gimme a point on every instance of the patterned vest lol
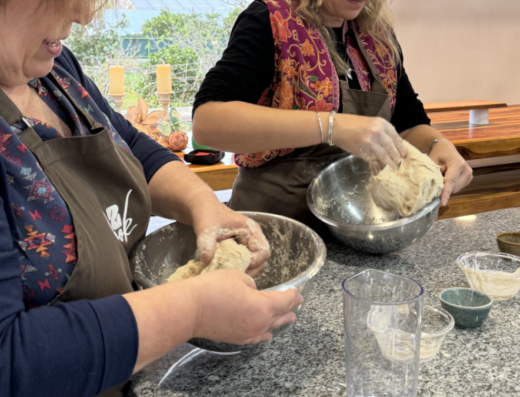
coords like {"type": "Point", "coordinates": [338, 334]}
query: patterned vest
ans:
{"type": "Point", "coordinates": [305, 76]}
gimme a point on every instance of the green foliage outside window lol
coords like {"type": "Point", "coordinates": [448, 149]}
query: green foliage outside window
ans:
{"type": "Point", "coordinates": [191, 43]}
{"type": "Point", "coordinates": [96, 42]}
{"type": "Point", "coordinates": [185, 75]}
{"type": "Point", "coordinates": [184, 25]}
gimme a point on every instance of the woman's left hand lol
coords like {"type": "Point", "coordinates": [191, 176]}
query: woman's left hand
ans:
{"type": "Point", "coordinates": [216, 222]}
{"type": "Point", "coordinates": [457, 173]}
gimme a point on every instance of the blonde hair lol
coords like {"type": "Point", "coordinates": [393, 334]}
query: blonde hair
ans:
{"type": "Point", "coordinates": [375, 20]}
{"type": "Point", "coordinates": [85, 9]}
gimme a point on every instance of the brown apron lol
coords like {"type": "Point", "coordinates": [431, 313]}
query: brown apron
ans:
{"type": "Point", "coordinates": [280, 185]}
{"type": "Point", "coordinates": [107, 195]}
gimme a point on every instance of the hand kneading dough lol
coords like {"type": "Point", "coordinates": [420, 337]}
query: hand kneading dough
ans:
{"type": "Point", "coordinates": [410, 188]}
{"type": "Point", "coordinates": [229, 255]}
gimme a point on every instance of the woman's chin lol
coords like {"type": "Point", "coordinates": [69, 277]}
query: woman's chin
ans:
{"type": "Point", "coordinates": [350, 15]}
{"type": "Point", "coordinates": [39, 70]}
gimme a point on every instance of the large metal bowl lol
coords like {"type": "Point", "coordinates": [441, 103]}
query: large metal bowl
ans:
{"type": "Point", "coordinates": [338, 197]}
{"type": "Point", "coordinates": [297, 254]}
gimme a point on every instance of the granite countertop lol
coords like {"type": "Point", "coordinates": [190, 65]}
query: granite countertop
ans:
{"type": "Point", "coordinates": [308, 359]}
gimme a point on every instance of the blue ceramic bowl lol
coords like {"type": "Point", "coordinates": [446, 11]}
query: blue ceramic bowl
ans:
{"type": "Point", "coordinates": [468, 307]}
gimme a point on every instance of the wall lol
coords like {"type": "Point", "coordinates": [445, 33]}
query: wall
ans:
{"type": "Point", "coordinates": [461, 49]}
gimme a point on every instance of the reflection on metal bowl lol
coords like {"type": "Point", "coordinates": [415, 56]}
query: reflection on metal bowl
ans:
{"type": "Point", "coordinates": [338, 197]}
{"type": "Point", "coordinates": [297, 254]}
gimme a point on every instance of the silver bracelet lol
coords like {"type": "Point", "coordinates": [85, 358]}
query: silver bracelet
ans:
{"type": "Point", "coordinates": [321, 127]}
{"type": "Point", "coordinates": [435, 141]}
{"type": "Point", "coordinates": [331, 126]}
{"type": "Point", "coordinates": [441, 140]}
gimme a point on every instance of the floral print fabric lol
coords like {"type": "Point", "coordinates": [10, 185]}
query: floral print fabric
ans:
{"type": "Point", "coordinates": [305, 75]}
{"type": "Point", "coordinates": [47, 246]}
{"type": "Point", "coordinates": [380, 57]}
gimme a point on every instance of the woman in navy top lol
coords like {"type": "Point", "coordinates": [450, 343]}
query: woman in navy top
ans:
{"type": "Point", "coordinates": [55, 340]}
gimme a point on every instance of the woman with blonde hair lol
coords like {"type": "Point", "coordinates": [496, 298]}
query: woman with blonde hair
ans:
{"type": "Point", "coordinates": [303, 83]}
{"type": "Point", "coordinates": [77, 186]}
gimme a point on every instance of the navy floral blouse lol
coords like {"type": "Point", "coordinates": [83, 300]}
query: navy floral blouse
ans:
{"type": "Point", "coordinates": [47, 252]}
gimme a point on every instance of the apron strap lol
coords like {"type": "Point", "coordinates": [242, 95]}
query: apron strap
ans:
{"type": "Point", "coordinates": [368, 60]}
{"type": "Point", "coordinates": [11, 114]}
{"type": "Point", "coordinates": [8, 110]}
{"type": "Point", "coordinates": [29, 137]}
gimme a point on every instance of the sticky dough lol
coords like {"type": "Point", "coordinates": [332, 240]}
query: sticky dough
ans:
{"type": "Point", "coordinates": [229, 255]}
{"type": "Point", "coordinates": [411, 187]}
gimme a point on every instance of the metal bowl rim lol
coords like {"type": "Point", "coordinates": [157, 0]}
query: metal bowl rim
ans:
{"type": "Point", "coordinates": [313, 269]}
{"type": "Point", "coordinates": [370, 228]}
{"type": "Point", "coordinates": [302, 278]}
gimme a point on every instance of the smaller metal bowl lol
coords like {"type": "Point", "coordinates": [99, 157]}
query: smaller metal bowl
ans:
{"type": "Point", "coordinates": [469, 307]}
{"type": "Point", "coordinates": [297, 255]}
{"type": "Point", "coordinates": [509, 242]}
{"type": "Point", "coordinates": [497, 275]}
{"type": "Point", "coordinates": [339, 198]}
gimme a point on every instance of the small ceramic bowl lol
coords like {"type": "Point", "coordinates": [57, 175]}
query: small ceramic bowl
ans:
{"type": "Point", "coordinates": [509, 242]}
{"type": "Point", "coordinates": [468, 307]}
{"type": "Point", "coordinates": [495, 274]}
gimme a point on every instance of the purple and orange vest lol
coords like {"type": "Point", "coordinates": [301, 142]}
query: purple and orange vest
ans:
{"type": "Point", "coordinates": [305, 76]}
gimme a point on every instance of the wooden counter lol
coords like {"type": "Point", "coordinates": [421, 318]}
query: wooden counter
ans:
{"type": "Point", "coordinates": [501, 137]}
{"type": "Point", "coordinates": [462, 105]}
{"type": "Point", "coordinates": [493, 151]}
{"type": "Point", "coordinates": [219, 176]}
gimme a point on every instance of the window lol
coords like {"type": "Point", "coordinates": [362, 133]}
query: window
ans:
{"type": "Point", "coordinates": [139, 34]}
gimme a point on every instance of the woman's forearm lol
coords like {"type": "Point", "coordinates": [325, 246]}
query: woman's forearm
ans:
{"type": "Point", "coordinates": [244, 128]}
{"type": "Point", "coordinates": [166, 317]}
{"type": "Point", "coordinates": [177, 193]}
{"type": "Point", "coordinates": [223, 306]}
{"type": "Point", "coordinates": [241, 127]}
{"type": "Point", "coordinates": [191, 202]}
{"type": "Point", "coordinates": [422, 137]}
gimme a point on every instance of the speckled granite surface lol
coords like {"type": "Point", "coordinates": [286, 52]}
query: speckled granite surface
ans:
{"type": "Point", "coordinates": [308, 359]}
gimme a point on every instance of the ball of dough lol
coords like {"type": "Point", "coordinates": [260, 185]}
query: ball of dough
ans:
{"type": "Point", "coordinates": [229, 255]}
{"type": "Point", "coordinates": [412, 186]}
{"type": "Point", "coordinates": [191, 269]}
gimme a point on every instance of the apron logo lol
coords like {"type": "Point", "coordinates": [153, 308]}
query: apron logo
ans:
{"type": "Point", "coordinates": [120, 226]}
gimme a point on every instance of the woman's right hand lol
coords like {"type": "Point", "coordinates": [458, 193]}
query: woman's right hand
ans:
{"type": "Point", "coordinates": [373, 139]}
{"type": "Point", "coordinates": [232, 310]}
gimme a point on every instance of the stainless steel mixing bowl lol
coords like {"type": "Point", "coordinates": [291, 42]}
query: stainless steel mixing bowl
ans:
{"type": "Point", "coordinates": [338, 197]}
{"type": "Point", "coordinates": [297, 254]}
